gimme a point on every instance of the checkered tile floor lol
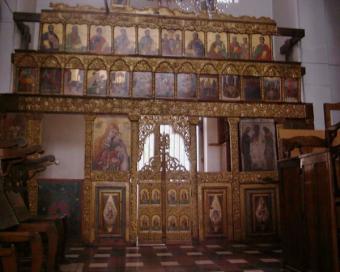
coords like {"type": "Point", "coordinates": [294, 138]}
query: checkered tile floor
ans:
{"type": "Point", "coordinates": [175, 258]}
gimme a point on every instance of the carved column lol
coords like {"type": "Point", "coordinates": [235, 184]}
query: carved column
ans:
{"type": "Point", "coordinates": [132, 224]}
{"type": "Point", "coordinates": [87, 229]}
{"type": "Point", "coordinates": [34, 132]}
{"type": "Point", "coordinates": [193, 160]}
{"type": "Point", "coordinates": [235, 170]}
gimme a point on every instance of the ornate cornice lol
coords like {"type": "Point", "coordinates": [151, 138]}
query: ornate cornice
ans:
{"type": "Point", "coordinates": [87, 105]}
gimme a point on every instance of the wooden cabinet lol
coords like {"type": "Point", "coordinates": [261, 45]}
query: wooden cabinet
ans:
{"type": "Point", "coordinates": [308, 212]}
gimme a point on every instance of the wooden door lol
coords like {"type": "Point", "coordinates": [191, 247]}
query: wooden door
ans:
{"type": "Point", "coordinates": [292, 215]}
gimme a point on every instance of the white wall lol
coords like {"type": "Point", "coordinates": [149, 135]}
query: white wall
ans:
{"type": "Point", "coordinates": [214, 153]}
{"type": "Point", "coordinates": [64, 137]}
{"type": "Point", "coordinates": [318, 51]}
{"type": "Point", "coordinates": [7, 34]}
{"type": "Point", "coordinates": [245, 7]}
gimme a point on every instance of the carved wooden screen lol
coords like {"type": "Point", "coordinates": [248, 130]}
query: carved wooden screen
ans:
{"type": "Point", "coordinates": [164, 204]}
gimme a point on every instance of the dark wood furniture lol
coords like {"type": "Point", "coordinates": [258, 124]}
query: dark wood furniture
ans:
{"type": "Point", "coordinates": [18, 225]}
{"type": "Point", "coordinates": [309, 202]}
{"type": "Point", "coordinates": [8, 259]}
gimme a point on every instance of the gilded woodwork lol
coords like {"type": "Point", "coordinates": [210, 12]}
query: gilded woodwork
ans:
{"type": "Point", "coordinates": [95, 178]}
{"type": "Point", "coordinates": [93, 208]}
{"type": "Point", "coordinates": [74, 63]}
{"type": "Point", "coordinates": [159, 18]}
{"type": "Point", "coordinates": [36, 103]}
{"type": "Point", "coordinates": [275, 206]}
{"type": "Point", "coordinates": [33, 138]}
{"type": "Point", "coordinates": [165, 174]}
{"type": "Point", "coordinates": [149, 63]}
{"type": "Point", "coordinates": [193, 172]}
{"type": "Point", "coordinates": [235, 180]}
{"type": "Point", "coordinates": [146, 115]}
{"type": "Point", "coordinates": [133, 224]}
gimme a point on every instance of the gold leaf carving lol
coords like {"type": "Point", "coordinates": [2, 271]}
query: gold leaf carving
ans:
{"type": "Point", "coordinates": [208, 69]}
{"type": "Point", "coordinates": [142, 66]}
{"type": "Point", "coordinates": [120, 65]}
{"type": "Point", "coordinates": [250, 70]}
{"type": "Point", "coordinates": [164, 67]}
{"type": "Point", "coordinates": [51, 62]}
{"type": "Point", "coordinates": [97, 64]}
{"type": "Point", "coordinates": [74, 63]}
{"type": "Point", "coordinates": [26, 61]}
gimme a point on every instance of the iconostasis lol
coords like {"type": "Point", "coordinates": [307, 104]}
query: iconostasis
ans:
{"type": "Point", "coordinates": [162, 93]}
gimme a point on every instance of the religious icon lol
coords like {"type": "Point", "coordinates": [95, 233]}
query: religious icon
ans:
{"type": "Point", "coordinates": [96, 82]}
{"type": "Point", "coordinates": [142, 84]}
{"type": "Point", "coordinates": [172, 197]}
{"type": "Point", "coordinates": [26, 81]}
{"type": "Point", "coordinates": [194, 44]}
{"type": "Point", "coordinates": [217, 45]}
{"type": "Point", "coordinates": [239, 46]}
{"type": "Point", "coordinates": [144, 196]}
{"type": "Point", "coordinates": [156, 223]}
{"type": "Point", "coordinates": [258, 145]}
{"type": "Point", "coordinates": [262, 214]}
{"type": "Point", "coordinates": [156, 196]}
{"type": "Point", "coordinates": [291, 89]}
{"type": "Point", "coordinates": [261, 47]}
{"type": "Point", "coordinates": [124, 40]}
{"type": "Point", "coordinates": [76, 38]}
{"type": "Point", "coordinates": [261, 208]}
{"type": "Point", "coordinates": [272, 88]}
{"type": "Point", "coordinates": [73, 81]}
{"type": "Point", "coordinates": [148, 41]}
{"type": "Point", "coordinates": [111, 144]}
{"type": "Point", "coordinates": [231, 87]}
{"type": "Point", "coordinates": [50, 81]}
{"type": "Point", "coordinates": [186, 86]}
{"type": "Point", "coordinates": [100, 39]}
{"type": "Point", "coordinates": [215, 214]}
{"type": "Point", "coordinates": [52, 37]}
{"type": "Point", "coordinates": [120, 84]}
{"type": "Point", "coordinates": [184, 196]}
{"type": "Point", "coordinates": [109, 217]}
{"type": "Point", "coordinates": [171, 43]}
{"type": "Point", "coordinates": [165, 84]}
{"type": "Point", "coordinates": [184, 223]}
{"type": "Point", "coordinates": [252, 88]}
{"type": "Point", "coordinates": [208, 88]}
{"type": "Point", "coordinates": [110, 213]}
{"type": "Point", "coordinates": [172, 223]}
{"type": "Point", "coordinates": [144, 223]}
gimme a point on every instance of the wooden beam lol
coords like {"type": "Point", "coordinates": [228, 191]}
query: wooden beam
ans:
{"type": "Point", "coordinates": [26, 17]}
{"type": "Point", "coordinates": [296, 35]}
{"type": "Point", "coordinates": [107, 7]}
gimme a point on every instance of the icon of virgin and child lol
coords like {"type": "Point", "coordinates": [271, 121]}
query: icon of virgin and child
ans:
{"type": "Point", "coordinates": [110, 152]}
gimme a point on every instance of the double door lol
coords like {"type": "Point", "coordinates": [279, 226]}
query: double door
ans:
{"type": "Point", "coordinates": [165, 204]}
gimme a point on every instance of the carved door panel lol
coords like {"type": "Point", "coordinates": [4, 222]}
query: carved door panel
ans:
{"type": "Point", "coordinates": [164, 183]}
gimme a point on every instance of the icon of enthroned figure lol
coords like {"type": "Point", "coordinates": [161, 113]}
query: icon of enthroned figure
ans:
{"type": "Point", "coordinates": [112, 152]}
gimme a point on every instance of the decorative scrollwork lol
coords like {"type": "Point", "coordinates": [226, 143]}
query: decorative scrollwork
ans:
{"type": "Point", "coordinates": [120, 65]}
{"type": "Point", "coordinates": [97, 64]}
{"type": "Point", "coordinates": [74, 63]}
{"type": "Point", "coordinates": [51, 62]}
{"type": "Point", "coordinates": [26, 61]}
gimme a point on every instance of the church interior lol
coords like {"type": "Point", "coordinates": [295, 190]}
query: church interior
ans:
{"type": "Point", "coordinates": [169, 135]}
